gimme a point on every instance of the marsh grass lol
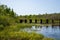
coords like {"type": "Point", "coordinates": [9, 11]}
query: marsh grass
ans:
{"type": "Point", "coordinates": [22, 36]}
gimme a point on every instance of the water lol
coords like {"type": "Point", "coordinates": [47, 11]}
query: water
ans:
{"type": "Point", "coordinates": [47, 31]}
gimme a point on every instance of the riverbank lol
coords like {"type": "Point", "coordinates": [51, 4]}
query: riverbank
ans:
{"type": "Point", "coordinates": [13, 33]}
{"type": "Point", "coordinates": [31, 24]}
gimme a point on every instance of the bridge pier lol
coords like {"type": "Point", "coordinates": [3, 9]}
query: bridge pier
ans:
{"type": "Point", "coordinates": [52, 21]}
{"type": "Point", "coordinates": [21, 21]}
{"type": "Point", "coordinates": [47, 21]}
{"type": "Point", "coordinates": [41, 21]}
{"type": "Point", "coordinates": [25, 21]}
{"type": "Point", "coordinates": [35, 20]}
{"type": "Point", "coordinates": [59, 22]}
{"type": "Point", "coordinates": [30, 21]}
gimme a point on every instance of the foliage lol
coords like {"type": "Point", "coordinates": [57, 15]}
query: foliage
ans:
{"type": "Point", "coordinates": [4, 10]}
{"type": "Point", "coordinates": [44, 16]}
{"type": "Point", "coordinates": [7, 17]}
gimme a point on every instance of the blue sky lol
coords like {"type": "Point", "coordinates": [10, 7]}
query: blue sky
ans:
{"type": "Point", "coordinates": [27, 7]}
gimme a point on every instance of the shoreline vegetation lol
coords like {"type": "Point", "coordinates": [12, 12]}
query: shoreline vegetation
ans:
{"type": "Point", "coordinates": [10, 25]}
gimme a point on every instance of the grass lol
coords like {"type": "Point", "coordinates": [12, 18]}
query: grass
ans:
{"type": "Point", "coordinates": [22, 36]}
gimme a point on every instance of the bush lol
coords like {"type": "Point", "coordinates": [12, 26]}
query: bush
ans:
{"type": "Point", "coordinates": [1, 27]}
{"type": "Point", "coordinates": [22, 36]}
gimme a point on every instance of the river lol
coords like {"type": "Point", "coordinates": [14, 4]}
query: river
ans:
{"type": "Point", "coordinates": [47, 31]}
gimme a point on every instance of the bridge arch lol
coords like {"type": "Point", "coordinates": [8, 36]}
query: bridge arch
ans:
{"type": "Point", "coordinates": [30, 20]}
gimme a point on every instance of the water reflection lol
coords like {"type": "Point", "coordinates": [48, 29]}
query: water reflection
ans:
{"type": "Point", "coordinates": [59, 27]}
{"type": "Point", "coordinates": [46, 26]}
{"type": "Point", "coordinates": [48, 31]}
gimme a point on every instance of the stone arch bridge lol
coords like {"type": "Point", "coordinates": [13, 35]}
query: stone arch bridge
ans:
{"type": "Point", "coordinates": [41, 21]}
